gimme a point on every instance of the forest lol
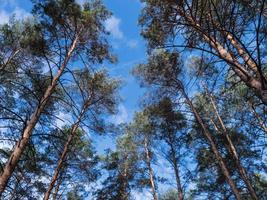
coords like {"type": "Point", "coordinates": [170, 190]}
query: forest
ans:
{"type": "Point", "coordinates": [199, 127]}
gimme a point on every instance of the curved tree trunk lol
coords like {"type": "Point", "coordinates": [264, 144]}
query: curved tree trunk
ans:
{"type": "Point", "coordinates": [27, 132]}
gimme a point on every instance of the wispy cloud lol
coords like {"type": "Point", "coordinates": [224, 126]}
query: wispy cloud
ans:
{"type": "Point", "coordinates": [132, 44]}
{"type": "Point", "coordinates": [17, 12]}
{"type": "Point", "coordinates": [63, 119]}
{"type": "Point", "coordinates": [7, 3]}
{"type": "Point", "coordinates": [146, 195]}
{"type": "Point", "coordinates": [81, 2]}
{"type": "Point", "coordinates": [4, 17]}
{"type": "Point", "coordinates": [112, 25]}
{"type": "Point", "coordinates": [122, 115]}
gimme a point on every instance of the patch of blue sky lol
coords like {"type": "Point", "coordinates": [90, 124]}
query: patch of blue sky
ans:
{"type": "Point", "coordinates": [128, 46]}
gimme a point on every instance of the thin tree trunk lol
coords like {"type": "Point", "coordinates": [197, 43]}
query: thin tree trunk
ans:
{"type": "Point", "coordinates": [214, 148]}
{"type": "Point", "coordinates": [13, 195]}
{"type": "Point", "coordinates": [13, 55]}
{"type": "Point", "coordinates": [56, 192]}
{"type": "Point", "coordinates": [63, 156]}
{"type": "Point", "coordinates": [232, 150]}
{"type": "Point", "coordinates": [27, 132]}
{"type": "Point", "coordinates": [125, 194]}
{"type": "Point", "coordinates": [151, 173]}
{"type": "Point", "coordinates": [260, 121]}
{"type": "Point", "coordinates": [61, 161]}
{"type": "Point", "coordinates": [177, 176]}
{"type": "Point", "coordinates": [57, 188]}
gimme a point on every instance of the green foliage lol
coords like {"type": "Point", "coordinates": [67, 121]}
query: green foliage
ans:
{"type": "Point", "coordinates": [170, 194]}
{"type": "Point", "coordinates": [57, 18]}
{"type": "Point", "coordinates": [122, 167]}
{"type": "Point", "coordinates": [162, 69]}
{"type": "Point", "coordinates": [81, 159]}
{"type": "Point", "coordinates": [73, 195]}
{"type": "Point", "coordinates": [31, 53]}
{"type": "Point", "coordinates": [180, 52]}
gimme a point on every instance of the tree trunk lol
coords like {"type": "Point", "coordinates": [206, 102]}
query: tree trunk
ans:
{"type": "Point", "coordinates": [231, 148]}
{"type": "Point", "coordinates": [214, 148]}
{"type": "Point", "coordinates": [13, 55]}
{"type": "Point", "coordinates": [60, 162]}
{"type": "Point", "coordinates": [151, 173]}
{"type": "Point", "coordinates": [259, 119]}
{"type": "Point", "coordinates": [27, 132]}
{"type": "Point", "coordinates": [57, 188]}
{"type": "Point", "coordinates": [125, 194]}
{"type": "Point", "coordinates": [177, 176]}
{"type": "Point", "coordinates": [224, 54]}
{"type": "Point", "coordinates": [63, 156]}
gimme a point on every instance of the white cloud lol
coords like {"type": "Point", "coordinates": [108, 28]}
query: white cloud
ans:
{"type": "Point", "coordinates": [122, 115]}
{"type": "Point", "coordinates": [7, 2]}
{"type": "Point", "coordinates": [62, 119]}
{"type": "Point", "coordinates": [4, 17]}
{"type": "Point", "coordinates": [132, 44]}
{"type": "Point", "coordinates": [20, 13]}
{"type": "Point", "coordinates": [81, 2]}
{"type": "Point", "coordinates": [112, 25]}
{"type": "Point", "coordinates": [6, 145]}
{"type": "Point", "coordinates": [17, 12]}
{"type": "Point", "coordinates": [142, 195]}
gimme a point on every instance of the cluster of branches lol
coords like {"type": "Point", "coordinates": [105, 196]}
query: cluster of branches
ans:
{"type": "Point", "coordinates": [202, 120]}
{"type": "Point", "coordinates": [205, 107]}
{"type": "Point", "coordinates": [53, 94]}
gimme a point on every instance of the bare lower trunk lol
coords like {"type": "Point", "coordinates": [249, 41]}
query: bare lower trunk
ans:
{"type": "Point", "coordinates": [231, 148]}
{"type": "Point", "coordinates": [27, 132]}
{"type": "Point", "coordinates": [216, 152]}
{"type": "Point", "coordinates": [151, 173]}
{"type": "Point", "coordinates": [177, 176]}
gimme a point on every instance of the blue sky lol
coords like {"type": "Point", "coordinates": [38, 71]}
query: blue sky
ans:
{"type": "Point", "coordinates": [125, 39]}
{"type": "Point", "coordinates": [127, 45]}
{"type": "Point", "coordinates": [130, 49]}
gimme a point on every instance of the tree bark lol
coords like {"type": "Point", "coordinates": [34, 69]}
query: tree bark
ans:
{"type": "Point", "coordinates": [13, 55]}
{"type": "Point", "coordinates": [63, 156]}
{"type": "Point", "coordinates": [125, 174]}
{"type": "Point", "coordinates": [27, 132]}
{"type": "Point", "coordinates": [151, 173]}
{"type": "Point", "coordinates": [214, 148]}
{"type": "Point", "coordinates": [224, 54]}
{"type": "Point", "coordinates": [231, 148]}
{"type": "Point", "coordinates": [259, 119]}
{"type": "Point", "coordinates": [177, 176]}
{"type": "Point", "coordinates": [60, 163]}
{"type": "Point", "coordinates": [57, 189]}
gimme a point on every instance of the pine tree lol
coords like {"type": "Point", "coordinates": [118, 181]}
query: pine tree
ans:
{"type": "Point", "coordinates": [67, 31]}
